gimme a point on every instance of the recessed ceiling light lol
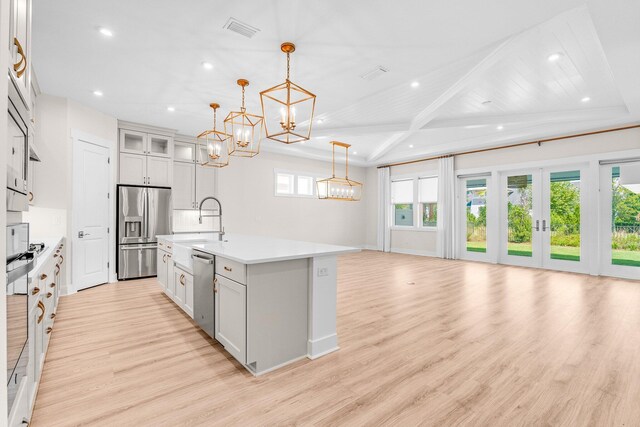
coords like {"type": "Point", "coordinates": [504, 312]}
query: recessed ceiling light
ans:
{"type": "Point", "coordinates": [207, 65]}
{"type": "Point", "coordinates": [554, 57]}
{"type": "Point", "coordinates": [105, 32]}
{"type": "Point", "coordinates": [410, 145]}
{"type": "Point", "coordinates": [415, 84]}
{"type": "Point", "coordinates": [487, 102]}
{"type": "Point", "coordinates": [585, 99]}
{"type": "Point", "coordinates": [319, 121]}
{"type": "Point", "coordinates": [98, 93]}
{"type": "Point", "coordinates": [500, 127]}
{"type": "Point", "coordinates": [172, 109]}
{"type": "Point", "coordinates": [355, 152]}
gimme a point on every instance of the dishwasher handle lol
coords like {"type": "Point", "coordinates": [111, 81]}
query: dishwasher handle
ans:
{"type": "Point", "coordinates": [202, 260]}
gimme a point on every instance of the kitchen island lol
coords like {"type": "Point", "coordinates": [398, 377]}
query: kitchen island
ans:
{"type": "Point", "coordinates": [273, 301]}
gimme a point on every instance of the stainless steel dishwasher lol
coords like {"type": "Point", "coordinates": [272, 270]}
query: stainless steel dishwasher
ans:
{"type": "Point", "coordinates": [203, 295]}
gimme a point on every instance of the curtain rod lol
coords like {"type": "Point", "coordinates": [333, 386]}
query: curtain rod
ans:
{"type": "Point", "coordinates": [502, 147]}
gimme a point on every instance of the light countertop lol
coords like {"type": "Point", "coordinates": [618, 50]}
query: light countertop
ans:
{"type": "Point", "coordinates": [51, 243]}
{"type": "Point", "coordinates": [256, 249]}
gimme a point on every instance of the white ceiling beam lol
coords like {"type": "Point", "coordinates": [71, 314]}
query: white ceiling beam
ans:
{"type": "Point", "coordinates": [546, 117]}
{"type": "Point", "coordinates": [360, 130]}
{"type": "Point", "coordinates": [468, 79]}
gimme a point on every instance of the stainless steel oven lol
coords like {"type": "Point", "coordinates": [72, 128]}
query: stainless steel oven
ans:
{"type": "Point", "coordinates": [19, 263]}
{"type": "Point", "coordinates": [17, 146]}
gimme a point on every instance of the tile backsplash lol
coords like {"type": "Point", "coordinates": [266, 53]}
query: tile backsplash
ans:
{"type": "Point", "coordinates": [185, 221]}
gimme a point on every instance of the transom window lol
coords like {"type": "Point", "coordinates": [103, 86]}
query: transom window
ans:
{"type": "Point", "coordinates": [295, 184]}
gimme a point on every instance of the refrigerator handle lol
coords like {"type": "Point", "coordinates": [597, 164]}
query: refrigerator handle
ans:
{"type": "Point", "coordinates": [146, 213]}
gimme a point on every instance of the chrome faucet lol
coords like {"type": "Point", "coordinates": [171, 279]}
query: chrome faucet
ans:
{"type": "Point", "coordinates": [219, 216]}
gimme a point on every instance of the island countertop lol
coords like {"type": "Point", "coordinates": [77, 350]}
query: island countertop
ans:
{"type": "Point", "coordinates": [257, 249]}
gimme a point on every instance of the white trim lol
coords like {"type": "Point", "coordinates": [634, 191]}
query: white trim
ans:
{"type": "Point", "coordinates": [369, 247]}
{"type": "Point", "coordinates": [156, 130]}
{"type": "Point", "coordinates": [430, 229]}
{"type": "Point", "coordinates": [418, 252]}
{"type": "Point", "coordinates": [322, 346]}
{"type": "Point", "coordinates": [273, 368]}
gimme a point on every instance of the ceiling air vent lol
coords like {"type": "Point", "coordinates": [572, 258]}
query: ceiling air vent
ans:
{"type": "Point", "coordinates": [375, 73]}
{"type": "Point", "coordinates": [240, 27]}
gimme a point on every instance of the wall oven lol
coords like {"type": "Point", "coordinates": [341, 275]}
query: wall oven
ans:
{"type": "Point", "coordinates": [20, 262]}
{"type": "Point", "coordinates": [17, 146]}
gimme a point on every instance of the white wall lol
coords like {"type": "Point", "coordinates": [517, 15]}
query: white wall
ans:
{"type": "Point", "coordinates": [246, 190]}
{"type": "Point", "coordinates": [56, 119]}
{"type": "Point", "coordinates": [424, 242]}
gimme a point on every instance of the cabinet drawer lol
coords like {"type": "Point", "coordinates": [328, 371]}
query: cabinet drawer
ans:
{"type": "Point", "coordinates": [165, 246]}
{"type": "Point", "coordinates": [231, 270]}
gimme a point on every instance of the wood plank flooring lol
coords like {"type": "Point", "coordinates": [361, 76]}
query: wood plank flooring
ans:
{"type": "Point", "coordinates": [465, 344]}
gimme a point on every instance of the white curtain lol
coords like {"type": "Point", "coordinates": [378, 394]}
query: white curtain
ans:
{"type": "Point", "coordinates": [384, 200]}
{"type": "Point", "coordinates": [446, 208]}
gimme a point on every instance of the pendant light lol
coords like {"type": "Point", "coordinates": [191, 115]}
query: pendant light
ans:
{"type": "Point", "coordinates": [339, 188]}
{"type": "Point", "coordinates": [288, 108]}
{"type": "Point", "coordinates": [245, 129]}
{"type": "Point", "coordinates": [213, 145]}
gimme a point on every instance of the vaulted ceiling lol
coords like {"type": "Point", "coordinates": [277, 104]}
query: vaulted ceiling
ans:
{"type": "Point", "coordinates": [461, 74]}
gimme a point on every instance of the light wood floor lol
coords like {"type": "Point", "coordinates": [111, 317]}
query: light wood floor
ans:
{"type": "Point", "coordinates": [467, 343]}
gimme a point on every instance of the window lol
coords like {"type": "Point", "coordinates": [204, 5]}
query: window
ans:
{"type": "Point", "coordinates": [294, 184]}
{"type": "Point", "coordinates": [402, 200]}
{"type": "Point", "coordinates": [415, 202]}
{"type": "Point", "coordinates": [428, 194]}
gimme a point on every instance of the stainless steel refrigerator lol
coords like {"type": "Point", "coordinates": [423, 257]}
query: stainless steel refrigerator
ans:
{"type": "Point", "coordinates": [143, 214]}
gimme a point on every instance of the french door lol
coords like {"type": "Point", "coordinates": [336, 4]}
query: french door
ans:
{"type": "Point", "coordinates": [620, 219]}
{"type": "Point", "coordinates": [542, 221]}
{"type": "Point", "coordinates": [477, 241]}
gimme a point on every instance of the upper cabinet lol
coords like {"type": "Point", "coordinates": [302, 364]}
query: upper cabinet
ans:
{"type": "Point", "coordinates": [145, 157]}
{"type": "Point", "coordinates": [20, 48]}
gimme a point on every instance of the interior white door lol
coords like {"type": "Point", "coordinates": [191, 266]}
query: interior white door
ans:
{"type": "Point", "coordinates": [91, 200]}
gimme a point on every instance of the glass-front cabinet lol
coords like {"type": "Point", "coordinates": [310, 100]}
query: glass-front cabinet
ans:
{"type": "Point", "coordinates": [135, 142]}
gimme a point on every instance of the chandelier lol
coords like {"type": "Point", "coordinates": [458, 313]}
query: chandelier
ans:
{"type": "Point", "coordinates": [339, 188]}
{"type": "Point", "coordinates": [288, 108]}
{"type": "Point", "coordinates": [213, 145]}
{"type": "Point", "coordinates": [245, 129]}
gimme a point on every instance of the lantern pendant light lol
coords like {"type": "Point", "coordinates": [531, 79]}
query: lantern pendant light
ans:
{"type": "Point", "coordinates": [288, 108]}
{"type": "Point", "coordinates": [213, 145]}
{"type": "Point", "coordinates": [339, 188]}
{"type": "Point", "coordinates": [245, 129]}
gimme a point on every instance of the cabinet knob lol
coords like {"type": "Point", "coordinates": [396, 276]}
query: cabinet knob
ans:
{"type": "Point", "coordinates": [35, 290]}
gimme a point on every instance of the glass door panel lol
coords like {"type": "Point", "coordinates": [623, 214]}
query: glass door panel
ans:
{"type": "Point", "coordinates": [519, 204]}
{"type": "Point", "coordinates": [564, 209]}
{"type": "Point", "coordinates": [476, 215]}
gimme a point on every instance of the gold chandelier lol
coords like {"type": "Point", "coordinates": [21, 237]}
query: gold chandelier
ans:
{"type": "Point", "coordinates": [245, 129]}
{"type": "Point", "coordinates": [288, 108]}
{"type": "Point", "coordinates": [339, 188]}
{"type": "Point", "coordinates": [213, 145]}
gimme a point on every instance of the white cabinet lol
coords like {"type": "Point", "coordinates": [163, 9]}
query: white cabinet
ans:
{"type": "Point", "coordinates": [180, 283]}
{"type": "Point", "coordinates": [133, 169]}
{"type": "Point", "coordinates": [20, 47]}
{"type": "Point", "coordinates": [188, 294]}
{"type": "Point", "coordinates": [184, 152]}
{"type": "Point", "coordinates": [145, 158]}
{"type": "Point", "coordinates": [184, 185]}
{"type": "Point", "coordinates": [158, 171]}
{"type": "Point", "coordinates": [205, 182]}
{"type": "Point", "coordinates": [136, 169]}
{"type": "Point", "coordinates": [231, 316]}
{"type": "Point", "coordinates": [171, 284]}
{"type": "Point", "coordinates": [162, 269]}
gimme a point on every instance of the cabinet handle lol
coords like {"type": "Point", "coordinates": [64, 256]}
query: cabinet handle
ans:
{"type": "Point", "coordinates": [57, 269]}
{"type": "Point", "coordinates": [228, 268]}
{"type": "Point", "coordinates": [35, 290]}
{"type": "Point", "coordinates": [30, 196]}
{"type": "Point", "coordinates": [53, 315]}
{"type": "Point", "coordinates": [43, 276]}
{"type": "Point", "coordinates": [62, 258]}
{"type": "Point", "coordinates": [164, 258]}
{"type": "Point", "coordinates": [168, 247]}
{"type": "Point", "coordinates": [182, 279]}
{"type": "Point", "coordinates": [49, 329]}
{"type": "Point", "coordinates": [49, 294]}
{"type": "Point", "coordinates": [215, 285]}
{"type": "Point", "coordinates": [21, 66]}
{"type": "Point", "coordinates": [53, 285]}
{"type": "Point", "coordinates": [43, 308]}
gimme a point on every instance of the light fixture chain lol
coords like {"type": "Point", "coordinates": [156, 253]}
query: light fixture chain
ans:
{"type": "Point", "coordinates": [214, 118]}
{"type": "Point", "coordinates": [288, 65]}
{"type": "Point", "coordinates": [242, 97]}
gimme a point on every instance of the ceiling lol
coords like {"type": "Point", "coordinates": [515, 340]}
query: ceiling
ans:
{"type": "Point", "coordinates": [461, 53]}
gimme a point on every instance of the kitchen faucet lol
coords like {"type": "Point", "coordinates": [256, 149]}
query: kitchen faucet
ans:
{"type": "Point", "coordinates": [219, 216]}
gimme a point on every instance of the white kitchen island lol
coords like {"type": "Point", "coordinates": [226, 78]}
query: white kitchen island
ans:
{"type": "Point", "coordinates": [275, 299]}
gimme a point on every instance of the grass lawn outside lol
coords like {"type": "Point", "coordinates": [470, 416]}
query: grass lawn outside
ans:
{"type": "Point", "coordinates": [621, 257]}
{"type": "Point", "coordinates": [477, 247]}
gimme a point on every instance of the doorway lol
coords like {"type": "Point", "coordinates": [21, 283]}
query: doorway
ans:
{"type": "Point", "coordinates": [91, 212]}
{"type": "Point", "coordinates": [542, 221]}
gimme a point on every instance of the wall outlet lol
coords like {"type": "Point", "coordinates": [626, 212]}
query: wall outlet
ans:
{"type": "Point", "coordinates": [323, 271]}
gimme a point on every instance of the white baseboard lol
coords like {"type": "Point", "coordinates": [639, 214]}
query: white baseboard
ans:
{"type": "Point", "coordinates": [414, 252]}
{"type": "Point", "coordinates": [321, 346]}
{"type": "Point", "coordinates": [369, 247]}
